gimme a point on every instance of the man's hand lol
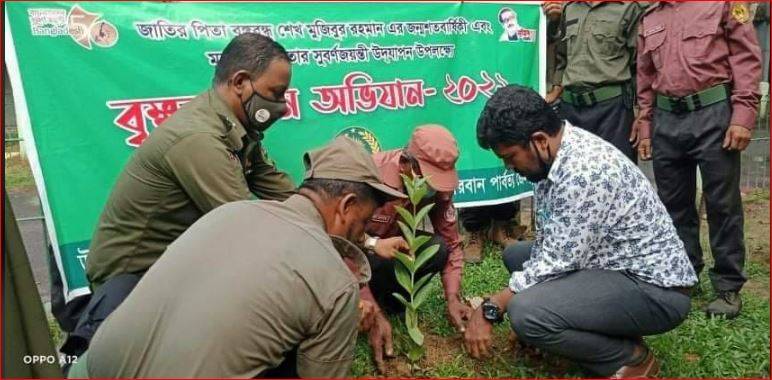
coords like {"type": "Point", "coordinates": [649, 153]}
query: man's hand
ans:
{"type": "Point", "coordinates": [367, 313]}
{"type": "Point", "coordinates": [634, 140]}
{"type": "Point", "coordinates": [737, 138]}
{"type": "Point", "coordinates": [380, 340]}
{"type": "Point", "coordinates": [478, 337]}
{"type": "Point", "coordinates": [552, 9]}
{"type": "Point", "coordinates": [458, 313]}
{"type": "Point", "coordinates": [387, 248]}
{"type": "Point", "coordinates": [554, 94]}
{"type": "Point", "coordinates": [644, 149]}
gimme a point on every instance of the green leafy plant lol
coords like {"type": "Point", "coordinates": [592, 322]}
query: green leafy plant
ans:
{"type": "Point", "coordinates": [409, 264]}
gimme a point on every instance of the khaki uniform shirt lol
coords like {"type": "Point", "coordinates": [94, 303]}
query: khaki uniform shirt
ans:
{"type": "Point", "coordinates": [598, 41]}
{"type": "Point", "coordinates": [200, 158]}
{"type": "Point", "coordinates": [246, 284]}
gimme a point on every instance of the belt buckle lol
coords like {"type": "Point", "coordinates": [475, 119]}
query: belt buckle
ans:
{"type": "Point", "coordinates": [579, 99]}
{"type": "Point", "coordinates": [678, 105]}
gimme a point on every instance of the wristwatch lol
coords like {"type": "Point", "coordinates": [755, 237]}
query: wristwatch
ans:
{"type": "Point", "coordinates": [491, 312]}
{"type": "Point", "coordinates": [370, 243]}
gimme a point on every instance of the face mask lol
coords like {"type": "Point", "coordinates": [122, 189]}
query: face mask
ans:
{"type": "Point", "coordinates": [262, 112]}
{"type": "Point", "coordinates": [544, 168]}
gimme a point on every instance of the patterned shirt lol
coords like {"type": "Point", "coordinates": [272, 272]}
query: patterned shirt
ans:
{"type": "Point", "coordinates": [596, 210]}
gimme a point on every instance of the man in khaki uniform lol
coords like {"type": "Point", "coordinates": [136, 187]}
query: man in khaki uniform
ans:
{"type": "Point", "coordinates": [208, 153]}
{"type": "Point", "coordinates": [254, 288]}
{"type": "Point", "coordinates": [596, 68]}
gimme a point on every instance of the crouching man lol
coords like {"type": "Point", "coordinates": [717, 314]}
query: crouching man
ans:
{"type": "Point", "coordinates": [606, 267]}
{"type": "Point", "coordinates": [253, 288]}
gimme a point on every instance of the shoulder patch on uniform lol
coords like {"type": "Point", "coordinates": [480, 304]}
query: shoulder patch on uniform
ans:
{"type": "Point", "coordinates": [740, 13]}
{"type": "Point", "coordinates": [450, 214]}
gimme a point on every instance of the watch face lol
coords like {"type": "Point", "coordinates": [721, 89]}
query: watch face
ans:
{"type": "Point", "coordinates": [490, 312]}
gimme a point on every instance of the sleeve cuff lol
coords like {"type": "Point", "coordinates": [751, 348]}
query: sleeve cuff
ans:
{"type": "Point", "coordinates": [743, 117]}
{"type": "Point", "coordinates": [517, 282]}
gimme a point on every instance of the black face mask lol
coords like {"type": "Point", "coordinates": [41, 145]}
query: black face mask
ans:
{"type": "Point", "coordinates": [544, 167]}
{"type": "Point", "coordinates": [262, 112]}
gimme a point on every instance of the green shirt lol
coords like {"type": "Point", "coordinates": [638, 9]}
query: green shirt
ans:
{"type": "Point", "coordinates": [200, 158]}
{"type": "Point", "coordinates": [244, 285]}
{"type": "Point", "coordinates": [598, 44]}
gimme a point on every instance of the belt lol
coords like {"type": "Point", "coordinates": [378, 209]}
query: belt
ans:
{"type": "Point", "coordinates": [592, 97]}
{"type": "Point", "coordinates": [693, 102]}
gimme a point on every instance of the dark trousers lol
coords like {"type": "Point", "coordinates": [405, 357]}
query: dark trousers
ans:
{"type": "Point", "coordinates": [611, 120]}
{"type": "Point", "coordinates": [476, 219]}
{"type": "Point", "coordinates": [384, 282]}
{"type": "Point", "coordinates": [594, 317]}
{"type": "Point", "coordinates": [287, 369]}
{"type": "Point", "coordinates": [680, 144]}
{"type": "Point", "coordinates": [103, 302]}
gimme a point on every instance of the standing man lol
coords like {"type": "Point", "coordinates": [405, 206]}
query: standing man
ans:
{"type": "Point", "coordinates": [596, 69]}
{"type": "Point", "coordinates": [208, 153]}
{"type": "Point", "coordinates": [606, 267]}
{"type": "Point", "coordinates": [254, 288]}
{"type": "Point", "coordinates": [432, 152]}
{"type": "Point", "coordinates": [699, 67]}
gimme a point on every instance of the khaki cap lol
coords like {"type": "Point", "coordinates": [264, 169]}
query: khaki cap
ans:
{"type": "Point", "coordinates": [436, 151]}
{"type": "Point", "coordinates": [345, 159]}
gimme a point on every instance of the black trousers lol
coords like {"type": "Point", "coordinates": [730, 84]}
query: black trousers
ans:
{"type": "Point", "coordinates": [594, 317]}
{"type": "Point", "coordinates": [680, 144]}
{"type": "Point", "coordinates": [102, 303]}
{"type": "Point", "coordinates": [611, 120]}
{"type": "Point", "coordinates": [384, 282]}
{"type": "Point", "coordinates": [479, 218]}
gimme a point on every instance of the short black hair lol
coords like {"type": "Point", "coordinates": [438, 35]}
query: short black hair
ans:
{"type": "Point", "coordinates": [512, 115]}
{"type": "Point", "coordinates": [248, 51]}
{"type": "Point", "coordinates": [333, 188]}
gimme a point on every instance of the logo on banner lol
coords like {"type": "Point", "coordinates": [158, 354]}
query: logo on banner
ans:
{"type": "Point", "coordinates": [85, 28]}
{"type": "Point", "coordinates": [368, 139]}
{"type": "Point", "coordinates": [513, 32]}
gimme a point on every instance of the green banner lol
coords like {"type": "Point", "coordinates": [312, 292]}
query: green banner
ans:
{"type": "Point", "coordinates": [92, 80]}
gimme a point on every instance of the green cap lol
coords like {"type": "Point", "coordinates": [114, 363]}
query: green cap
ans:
{"type": "Point", "coordinates": [345, 159]}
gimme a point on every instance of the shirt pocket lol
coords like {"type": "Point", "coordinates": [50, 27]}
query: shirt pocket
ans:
{"type": "Point", "coordinates": [698, 39]}
{"type": "Point", "coordinates": [569, 39]}
{"type": "Point", "coordinates": [605, 39]}
{"type": "Point", "coordinates": [654, 44]}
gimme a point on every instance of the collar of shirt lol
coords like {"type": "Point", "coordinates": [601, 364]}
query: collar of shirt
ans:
{"type": "Point", "coordinates": [345, 248]}
{"type": "Point", "coordinates": [565, 143]}
{"type": "Point", "coordinates": [233, 128]}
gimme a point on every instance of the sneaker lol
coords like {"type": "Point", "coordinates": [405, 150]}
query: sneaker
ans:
{"type": "Point", "coordinates": [473, 247]}
{"type": "Point", "coordinates": [505, 233]}
{"type": "Point", "coordinates": [728, 305]}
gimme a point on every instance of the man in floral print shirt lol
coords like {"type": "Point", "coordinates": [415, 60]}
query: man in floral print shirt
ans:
{"type": "Point", "coordinates": [607, 266]}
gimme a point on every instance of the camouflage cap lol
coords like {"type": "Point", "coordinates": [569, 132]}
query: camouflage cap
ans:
{"type": "Point", "coordinates": [345, 159]}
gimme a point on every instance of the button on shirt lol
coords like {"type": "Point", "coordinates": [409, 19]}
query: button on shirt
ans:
{"type": "Point", "coordinates": [687, 47]}
{"type": "Point", "coordinates": [596, 210]}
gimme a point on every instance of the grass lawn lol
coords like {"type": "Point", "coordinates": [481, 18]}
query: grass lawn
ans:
{"type": "Point", "coordinates": [700, 347]}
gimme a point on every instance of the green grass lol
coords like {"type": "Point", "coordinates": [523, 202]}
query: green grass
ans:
{"type": "Point", "coordinates": [700, 347]}
{"type": "Point", "coordinates": [18, 175]}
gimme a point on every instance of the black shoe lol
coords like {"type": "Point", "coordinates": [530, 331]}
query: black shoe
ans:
{"type": "Point", "coordinates": [728, 305]}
